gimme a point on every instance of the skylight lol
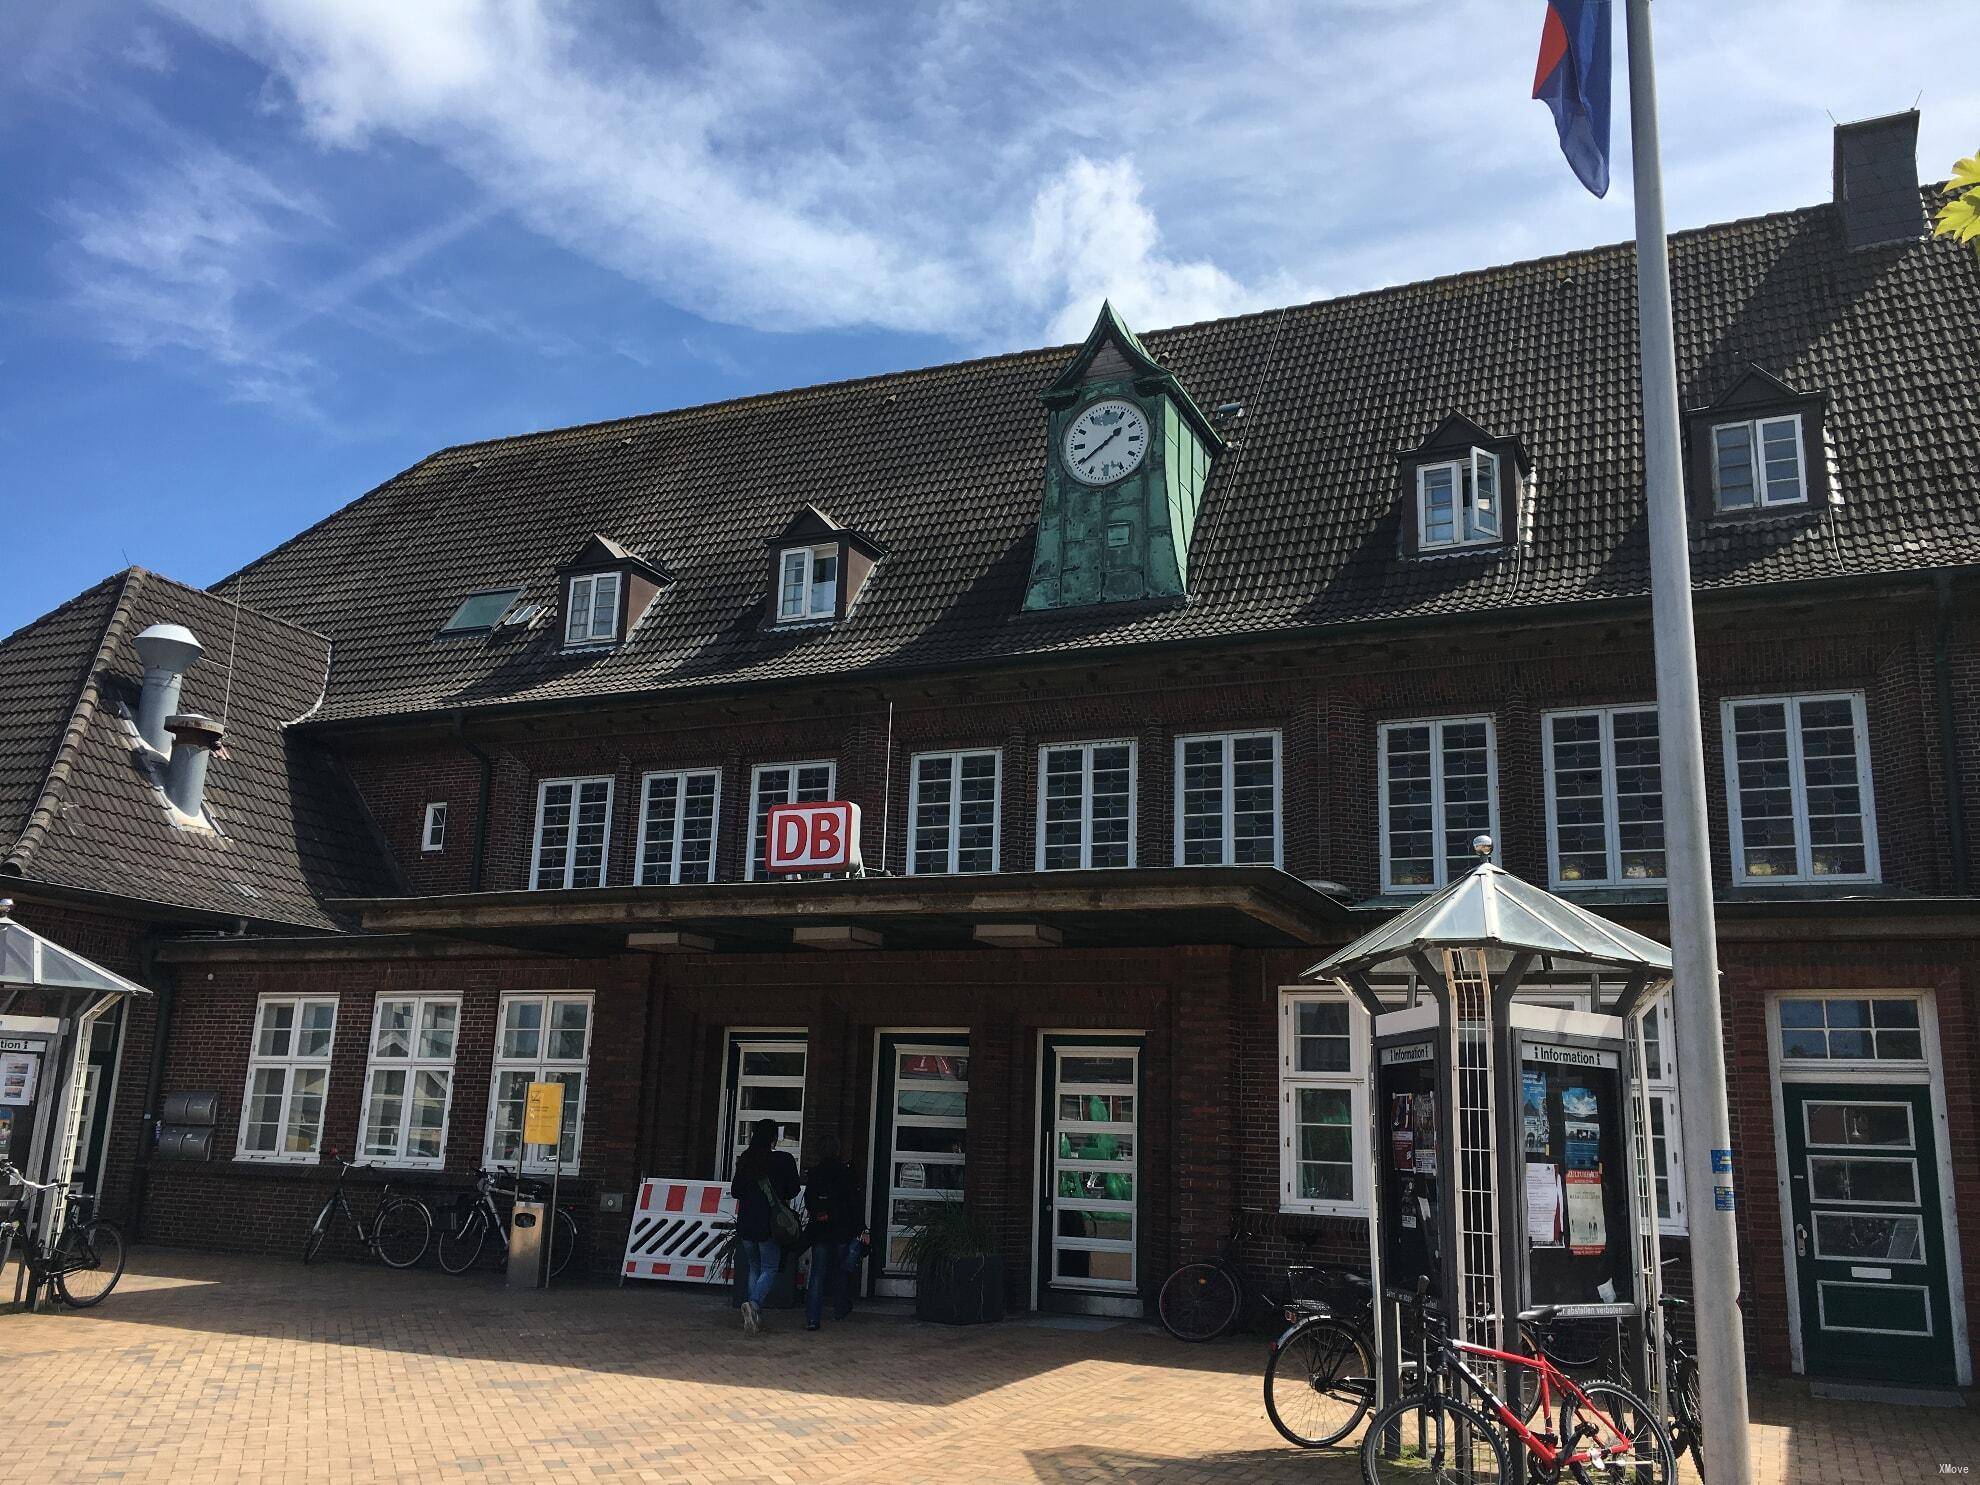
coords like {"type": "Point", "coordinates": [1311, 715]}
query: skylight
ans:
{"type": "Point", "coordinates": [481, 610]}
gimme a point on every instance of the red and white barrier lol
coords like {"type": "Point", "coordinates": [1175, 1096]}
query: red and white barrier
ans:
{"type": "Point", "coordinates": [680, 1230]}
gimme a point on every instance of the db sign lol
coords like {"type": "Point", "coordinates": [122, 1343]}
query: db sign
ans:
{"type": "Point", "coordinates": [812, 837]}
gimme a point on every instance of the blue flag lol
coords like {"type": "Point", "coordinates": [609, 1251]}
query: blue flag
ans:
{"type": "Point", "coordinates": [1573, 78]}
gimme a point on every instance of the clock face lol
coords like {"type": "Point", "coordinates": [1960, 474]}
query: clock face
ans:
{"type": "Point", "coordinates": [1106, 442]}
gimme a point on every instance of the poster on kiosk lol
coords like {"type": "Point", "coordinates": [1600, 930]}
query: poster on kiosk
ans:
{"type": "Point", "coordinates": [1413, 1171]}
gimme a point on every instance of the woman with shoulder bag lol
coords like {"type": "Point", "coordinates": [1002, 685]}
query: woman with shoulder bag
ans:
{"type": "Point", "coordinates": [766, 1182]}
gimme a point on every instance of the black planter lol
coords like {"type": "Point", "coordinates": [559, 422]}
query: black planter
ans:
{"type": "Point", "coordinates": [961, 1291]}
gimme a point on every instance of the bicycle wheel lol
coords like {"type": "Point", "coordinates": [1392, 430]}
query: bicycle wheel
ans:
{"type": "Point", "coordinates": [1319, 1383]}
{"type": "Point", "coordinates": [1617, 1436]}
{"type": "Point", "coordinates": [1431, 1440]}
{"type": "Point", "coordinates": [459, 1248]}
{"type": "Point", "coordinates": [89, 1261]}
{"type": "Point", "coordinates": [1689, 1406]}
{"type": "Point", "coordinates": [1200, 1301]}
{"type": "Point", "coordinates": [563, 1241]}
{"type": "Point", "coordinates": [318, 1232]}
{"type": "Point", "coordinates": [403, 1229]}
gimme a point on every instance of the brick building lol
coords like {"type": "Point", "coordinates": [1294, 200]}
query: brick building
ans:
{"type": "Point", "coordinates": [1159, 668]}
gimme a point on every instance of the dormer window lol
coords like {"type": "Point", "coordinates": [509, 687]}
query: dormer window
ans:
{"type": "Point", "coordinates": [591, 609]}
{"type": "Point", "coordinates": [1758, 463]}
{"type": "Point", "coordinates": [817, 569]}
{"type": "Point", "coordinates": [809, 584]}
{"type": "Point", "coordinates": [1457, 504]}
{"type": "Point", "coordinates": [606, 590]}
{"type": "Point", "coordinates": [1461, 489]}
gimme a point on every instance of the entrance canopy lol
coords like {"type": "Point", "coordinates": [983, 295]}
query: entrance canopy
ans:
{"type": "Point", "coordinates": [30, 963]}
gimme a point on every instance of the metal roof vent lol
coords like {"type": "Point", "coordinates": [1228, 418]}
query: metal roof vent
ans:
{"type": "Point", "coordinates": [185, 779]}
{"type": "Point", "coordinates": [168, 652]}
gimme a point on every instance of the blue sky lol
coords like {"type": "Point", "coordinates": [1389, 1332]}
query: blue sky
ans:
{"type": "Point", "coordinates": [256, 256]}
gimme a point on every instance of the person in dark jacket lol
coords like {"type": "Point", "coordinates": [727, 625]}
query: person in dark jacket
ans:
{"type": "Point", "coordinates": [763, 1174]}
{"type": "Point", "coordinates": [831, 1202]}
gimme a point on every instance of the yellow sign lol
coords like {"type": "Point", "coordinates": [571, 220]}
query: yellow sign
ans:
{"type": "Point", "coordinates": [543, 1114]}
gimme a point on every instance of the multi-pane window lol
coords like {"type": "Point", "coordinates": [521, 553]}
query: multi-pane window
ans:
{"type": "Point", "coordinates": [1605, 803]}
{"type": "Point", "coordinates": [1085, 806]}
{"type": "Point", "coordinates": [1798, 785]}
{"type": "Point", "coordinates": [433, 832]}
{"type": "Point", "coordinates": [677, 813]}
{"type": "Point", "coordinates": [953, 818]}
{"type": "Point", "coordinates": [1457, 504]}
{"type": "Point", "coordinates": [1227, 799]}
{"type": "Point", "coordinates": [1842, 1028]}
{"type": "Point", "coordinates": [766, 1081]}
{"type": "Point", "coordinates": [1323, 1104]}
{"type": "Point", "coordinates": [591, 609]}
{"type": "Point", "coordinates": [1666, 1130]}
{"type": "Point", "coordinates": [1758, 464]}
{"type": "Point", "coordinates": [782, 783]}
{"type": "Point", "coordinates": [1437, 795]}
{"type": "Point", "coordinates": [288, 1078]}
{"type": "Point", "coordinates": [573, 827]}
{"type": "Point", "coordinates": [410, 1079]}
{"type": "Point", "coordinates": [539, 1039]}
{"type": "Point", "coordinates": [807, 583]}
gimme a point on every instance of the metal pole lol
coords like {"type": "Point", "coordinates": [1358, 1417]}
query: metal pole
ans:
{"type": "Point", "coordinates": [1694, 948]}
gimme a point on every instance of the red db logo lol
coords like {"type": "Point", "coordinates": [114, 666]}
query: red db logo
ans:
{"type": "Point", "coordinates": [812, 837]}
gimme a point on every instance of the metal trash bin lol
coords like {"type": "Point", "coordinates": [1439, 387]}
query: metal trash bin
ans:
{"type": "Point", "coordinates": [527, 1230]}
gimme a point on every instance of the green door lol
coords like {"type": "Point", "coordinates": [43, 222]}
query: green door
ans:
{"type": "Point", "coordinates": [1869, 1239]}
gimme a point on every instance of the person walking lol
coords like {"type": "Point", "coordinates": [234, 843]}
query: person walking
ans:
{"type": "Point", "coordinates": [766, 1182]}
{"type": "Point", "coordinates": [831, 1202]}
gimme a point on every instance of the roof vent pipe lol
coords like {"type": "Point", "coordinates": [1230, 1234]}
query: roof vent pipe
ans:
{"type": "Point", "coordinates": [168, 652]}
{"type": "Point", "coordinates": [185, 779]}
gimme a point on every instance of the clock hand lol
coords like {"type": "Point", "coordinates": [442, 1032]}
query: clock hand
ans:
{"type": "Point", "coordinates": [1088, 460]}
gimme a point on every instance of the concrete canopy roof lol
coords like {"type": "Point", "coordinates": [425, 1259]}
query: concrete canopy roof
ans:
{"type": "Point", "coordinates": [1490, 908]}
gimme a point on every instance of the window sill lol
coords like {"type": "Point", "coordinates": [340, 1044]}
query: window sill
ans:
{"type": "Point", "coordinates": [279, 1160]}
{"type": "Point", "coordinates": [1461, 548]}
{"type": "Point", "coordinates": [1324, 1209]}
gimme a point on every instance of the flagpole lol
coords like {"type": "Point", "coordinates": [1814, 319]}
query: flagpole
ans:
{"type": "Point", "coordinates": [1688, 860]}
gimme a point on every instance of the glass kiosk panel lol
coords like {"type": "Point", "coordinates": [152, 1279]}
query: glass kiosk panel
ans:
{"type": "Point", "coordinates": [1580, 1233]}
{"type": "Point", "coordinates": [1412, 1164]}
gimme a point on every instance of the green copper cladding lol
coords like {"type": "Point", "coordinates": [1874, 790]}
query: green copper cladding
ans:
{"type": "Point", "coordinates": [1130, 539]}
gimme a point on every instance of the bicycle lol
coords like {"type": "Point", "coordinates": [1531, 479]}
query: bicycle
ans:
{"type": "Point", "coordinates": [1687, 1427]}
{"type": "Point", "coordinates": [401, 1227]}
{"type": "Point", "coordinates": [460, 1246]}
{"type": "Point", "coordinates": [1320, 1378]}
{"type": "Point", "coordinates": [1210, 1297]}
{"type": "Point", "coordinates": [87, 1258]}
{"type": "Point", "coordinates": [1605, 1432]}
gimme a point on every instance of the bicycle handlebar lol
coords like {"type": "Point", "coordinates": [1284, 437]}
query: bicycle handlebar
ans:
{"type": "Point", "coordinates": [8, 1168]}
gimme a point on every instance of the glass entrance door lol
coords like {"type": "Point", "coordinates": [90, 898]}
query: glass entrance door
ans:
{"type": "Point", "coordinates": [920, 1145]}
{"type": "Point", "coordinates": [1092, 1170]}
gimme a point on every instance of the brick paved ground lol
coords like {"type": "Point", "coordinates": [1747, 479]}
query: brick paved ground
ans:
{"type": "Point", "coordinates": [213, 1369]}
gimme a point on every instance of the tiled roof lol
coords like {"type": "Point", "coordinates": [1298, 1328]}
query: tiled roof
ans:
{"type": "Point", "coordinates": [1299, 525]}
{"type": "Point", "coordinates": [78, 811]}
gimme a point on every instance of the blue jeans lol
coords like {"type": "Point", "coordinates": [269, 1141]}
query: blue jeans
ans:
{"type": "Point", "coordinates": [764, 1260]}
{"type": "Point", "coordinates": [828, 1271]}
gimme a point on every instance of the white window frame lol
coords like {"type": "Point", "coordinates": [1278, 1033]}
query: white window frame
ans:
{"type": "Point", "coordinates": [1230, 740]}
{"type": "Point", "coordinates": [954, 757]}
{"type": "Point", "coordinates": [1438, 828]}
{"type": "Point", "coordinates": [1086, 749]}
{"type": "Point", "coordinates": [433, 830]}
{"type": "Point", "coordinates": [811, 554]}
{"type": "Point", "coordinates": [731, 1135]}
{"type": "Point", "coordinates": [1797, 779]}
{"type": "Point", "coordinates": [539, 1065]}
{"type": "Point", "coordinates": [289, 1064]}
{"type": "Point", "coordinates": [1465, 511]}
{"type": "Point", "coordinates": [578, 636]}
{"type": "Point", "coordinates": [1662, 1090]}
{"type": "Point", "coordinates": [1355, 1080]}
{"type": "Point", "coordinates": [1612, 825]}
{"type": "Point", "coordinates": [576, 784]}
{"type": "Point", "coordinates": [758, 810]}
{"type": "Point", "coordinates": [673, 848]}
{"type": "Point", "coordinates": [412, 1065]}
{"type": "Point", "coordinates": [1756, 455]}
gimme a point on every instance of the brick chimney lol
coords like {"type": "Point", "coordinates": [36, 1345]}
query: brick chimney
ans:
{"type": "Point", "coordinates": [1876, 181]}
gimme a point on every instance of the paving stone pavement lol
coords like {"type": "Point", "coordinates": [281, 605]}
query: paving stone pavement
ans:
{"type": "Point", "coordinates": [212, 1369]}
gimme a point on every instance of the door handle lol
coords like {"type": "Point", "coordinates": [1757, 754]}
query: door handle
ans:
{"type": "Point", "coordinates": [1800, 1241]}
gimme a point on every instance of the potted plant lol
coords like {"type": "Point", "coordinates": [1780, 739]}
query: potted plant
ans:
{"type": "Point", "coordinates": [959, 1278]}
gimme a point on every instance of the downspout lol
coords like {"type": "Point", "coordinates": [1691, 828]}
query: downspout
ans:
{"type": "Point", "coordinates": [163, 988]}
{"type": "Point", "coordinates": [1942, 687]}
{"type": "Point", "coordinates": [481, 802]}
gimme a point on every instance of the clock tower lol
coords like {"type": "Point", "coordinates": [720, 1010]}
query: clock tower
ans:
{"type": "Point", "coordinates": [1127, 455]}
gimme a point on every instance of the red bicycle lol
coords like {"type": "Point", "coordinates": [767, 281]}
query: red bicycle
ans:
{"type": "Point", "coordinates": [1602, 1432]}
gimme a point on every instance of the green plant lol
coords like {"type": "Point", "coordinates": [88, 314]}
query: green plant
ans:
{"type": "Point", "coordinates": [952, 1231]}
{"type": "Point", "coordinates": [1959, 218]}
